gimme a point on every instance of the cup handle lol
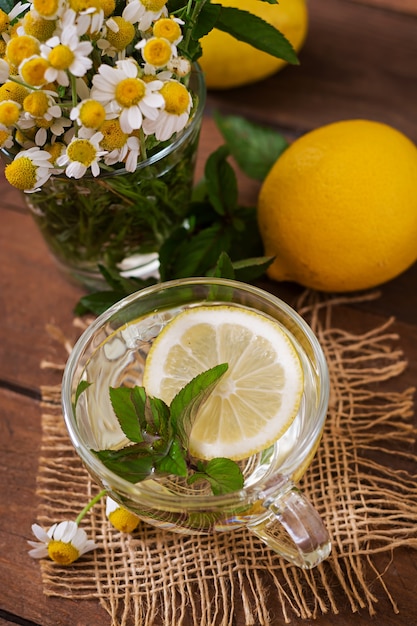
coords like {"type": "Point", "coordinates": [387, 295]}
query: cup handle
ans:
{"type": "Point", "coordinates": [292, 527]}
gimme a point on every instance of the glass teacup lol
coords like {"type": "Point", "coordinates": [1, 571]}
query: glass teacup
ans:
{"type": "Point", "coordinates": [112, 353]}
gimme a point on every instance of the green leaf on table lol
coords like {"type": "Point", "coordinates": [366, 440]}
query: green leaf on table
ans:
{"type": "Point", "coordinates": [257, 32]}
{"type": "Point", "coordinates": [224, 475]}
{"type": "Point", "coordinates": [187, 401]}
{"type": "Point", "coordinates": [255, 148]}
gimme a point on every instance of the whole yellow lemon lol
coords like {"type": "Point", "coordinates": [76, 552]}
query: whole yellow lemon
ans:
{"type": "Point", "coordinates": [338, 209]}
{"type": "Point", "coordinates": [228, 62]}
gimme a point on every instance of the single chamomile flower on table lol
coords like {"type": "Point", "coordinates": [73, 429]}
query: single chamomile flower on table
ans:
{"type": "Point", "coordinates": [119, 517]}
{"type": "Point", "coordinates": [144, 12]}
{"type": "Point", "coordinates": [29, 170]}
{"type": "Point", "coordinates": [66, 54]}
{"type": "Point", "coordinates": [175, 114]}
{"type": "Point", "coordinates": [64, 543]}
{"type": "Point", "coordinates": [82, 154]}
{"type": "Point", "coordinates": [125, 95]}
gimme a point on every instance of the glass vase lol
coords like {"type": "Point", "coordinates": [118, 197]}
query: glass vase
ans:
{"type": "Point", "coordinates": [120, 219]}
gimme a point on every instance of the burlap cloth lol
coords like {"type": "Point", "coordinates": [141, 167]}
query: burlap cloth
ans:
{"type": "Point", "coordinates": [153, 577]}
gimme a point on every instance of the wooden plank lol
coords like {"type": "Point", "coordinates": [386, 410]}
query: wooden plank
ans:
{"type": "Point", "coordinates": [400, 6]}
{"type": "Point", "coordinates": [355, 64]}
{"type": "Point", "coordinates": [20, 437]}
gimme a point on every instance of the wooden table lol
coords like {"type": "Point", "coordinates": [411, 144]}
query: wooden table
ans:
{"type": "Point", "coordinates": [360, 60]}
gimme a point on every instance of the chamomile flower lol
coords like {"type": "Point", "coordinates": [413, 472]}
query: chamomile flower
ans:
{"type": "Point", "coordinates": [37, 26]}
{"type": "Point", "coordinates": [52, 123]}
{"type": "Point", "coordinates": [90, 15]}
{"type": "Point", "coordinates": [29, 170]}
{"type": "Point", "coordinates": [120, 518]}
{"type": "Point", "coordinates": [20, 48]}
{"type": "Point", "coordinates": [64, 543]}
{"type": "Point", "coordinates": [121, 148]}
{"type": "Point", "coordinates": [6, 137]}
{"type": "Point", "coordinates": [66, 54]}
{"type": "Point", "coordinates": [9, 112]}
{"type": "Point", "coordinates": [169, 28]}
{"type": "Point", "coordinates": [48, 9]}
{"type": "Point", "coordinates": [125, 95]}
{"type": "Point", "coordinates": [82, 154]}
{"type": "Point", "coordinates": [13, 91]}
{"type": "Point", "coordinates": [33, 71]}
{"type": "Point", "coordinates": [144, 12]}
{"type": "Point", "coordinates": [157, 52]}
{"type": "Point", "coordinates": [89, 113]}
{"type": "Point", "coordinates": [175, 114]}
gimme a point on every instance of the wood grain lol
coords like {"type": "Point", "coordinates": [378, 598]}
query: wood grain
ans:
{"type": "Point", "coordinates": [359, 60]}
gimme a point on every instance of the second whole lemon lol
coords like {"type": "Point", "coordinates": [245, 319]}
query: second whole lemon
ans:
{"type": "Point", "coordinates": [229, 63]}
{"type": "Point", "coordinates": [338, 209]}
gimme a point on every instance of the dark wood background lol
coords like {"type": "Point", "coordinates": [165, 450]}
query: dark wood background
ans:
{"type": "Point", "coordinates": [359, 61]}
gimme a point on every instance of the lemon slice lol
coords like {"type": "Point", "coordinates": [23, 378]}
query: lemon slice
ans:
{"type": "Point", "coordinates": [257, 398]}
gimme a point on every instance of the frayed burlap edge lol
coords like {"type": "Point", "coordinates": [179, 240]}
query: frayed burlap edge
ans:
{"type": "Point", "coordinates": [151, 577]}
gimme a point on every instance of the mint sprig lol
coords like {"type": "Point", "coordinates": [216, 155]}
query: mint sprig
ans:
{"type": "Point", "coordinates": [159, 436]}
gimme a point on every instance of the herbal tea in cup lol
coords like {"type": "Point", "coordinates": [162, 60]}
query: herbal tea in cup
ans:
{"type": "Point", "coordinates": [198, 404]}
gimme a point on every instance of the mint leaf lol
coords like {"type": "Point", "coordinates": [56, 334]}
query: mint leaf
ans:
{"type": "Point", "coordinates": [186, 403]}
{"type": "Point", "coordinates": [133, 463]}
{"type": "Point", "coordinates": [224, 475]}
{"type": "Point", "coordinates": [82, 386]}
{"type": "Point", "coordinates": [174, 461]}
{"type": "Point", "coordinates": [255, 148]}
{"type": "Point", "coordinates": [250, 269]}
{"type": "Point", "coordinates": [255, 31]}
{"type": "Point", "coordinates": [221, 181]}
{"type": "Point", "coordinates": [224, 267]}
{"type": "Point", "coordinates": [7, 5]}
{"type": "Point", "coordinates": [125, 409]}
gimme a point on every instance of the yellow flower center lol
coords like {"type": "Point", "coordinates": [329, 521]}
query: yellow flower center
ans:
{"type": "Point", "coordinates": [2, 48]}
{"type": "Point", "coordinates": [4, 21]}
{"type": "Point", "coordinates": [157, 52]}
{"type": "Point", "coordinates": [114, 138]}
{"type": "Point", "coordinates": [4, 135]}
{"type": "Point", "coordinates": [167, 28]}
{"type": "Point", "coordinates": [130, 91]}
{"type": "Point", "coordinates": [36, 104]}
{"type": "Point", "coordinates": [124, 35]}
{"type": "Point", "coordinates": [46, 8]}
{"type": "Point", "coordinates": [82, 151]}
{"type": "Point", "coordinates": [9, 112]}
{"type": "Point", "coordinates": [33, 71]}
{"type": "Point", "coordinates": [108, 7]}
{"type": "Point", "coordinates": [55, 150]}
{"type": "Point", "coordinates": [176, 96]}
{"type": "Point", "coordinates": [62, 553]}
{"type": "Point", "coordinates": [20, 48]}
{"type": "Point", "coordinates": [92, 114]}
{"type": "Point", "coordinates": [61, 57]}
{"type": "Point", "coordinates": [13, 91]}
{"type": "Point", "coordinates": [123, 520]}
{"type": "Point", "coordinates": [21, 173]}
{"type": "Point", "coordinates": [38, 27]}
{"type": "Point", "coordinates": [82, 5]}
{"type": "Point", "coordinates": [154, 5]}
{"type": "Point", "coordinates": [41, 122]}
